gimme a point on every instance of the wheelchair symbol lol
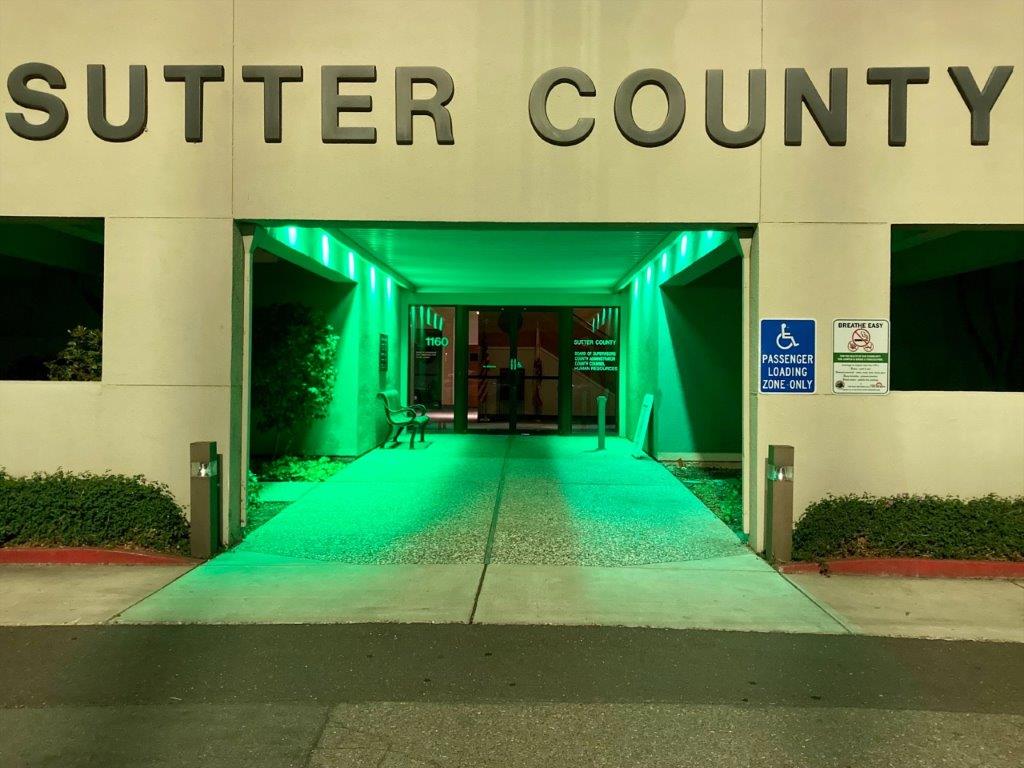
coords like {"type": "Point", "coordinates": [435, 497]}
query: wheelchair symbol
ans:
{"type": "Point", "coordinates": [785, 340]}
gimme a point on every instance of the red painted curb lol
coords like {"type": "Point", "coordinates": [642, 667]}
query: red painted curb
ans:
{"type": "Point", "coordinates": [919, 567]}
{"type": "Point", "coordinates": [86, 556]}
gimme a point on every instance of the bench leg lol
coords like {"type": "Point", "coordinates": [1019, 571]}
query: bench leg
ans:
{"type": "Point", "coordinates": [398, 434]}
{"type": "Point", "coordinates": [412, 437]}
{"type": "Point", "coordinates": [423, 431]}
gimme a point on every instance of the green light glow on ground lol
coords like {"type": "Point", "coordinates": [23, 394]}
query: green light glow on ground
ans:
{"type": "Point", "coordinates": [559, 502]}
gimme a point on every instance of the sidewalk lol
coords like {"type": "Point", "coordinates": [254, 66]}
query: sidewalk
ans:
{"type": "Point", "coordinates": [39, 595]}
{"type": "Point", "coordinates": [948, 609]}
{"type": "Point", "coordinates": [535, 531]}
{"type": "Point", "coordinates": [483, 530]}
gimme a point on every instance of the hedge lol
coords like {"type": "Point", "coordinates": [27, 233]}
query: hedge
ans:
{"type": "Point", "coordinates": [65, 509]}
{"type": "Point", "coordinates": [986, 528]}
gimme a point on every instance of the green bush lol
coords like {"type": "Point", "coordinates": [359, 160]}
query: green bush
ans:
{"type": "Point", "coordinates": [987, 528]}
{"type": "Point", "coordinates": [253, 491]}
{"type": "Point", "coordinates": [312, 469]}
{"type": "Point", "coordinates": [63, 509]}
{"type": "Point", "coordinates": [81, 358]}
{"type": "Point", "coordinates": [293, 368]}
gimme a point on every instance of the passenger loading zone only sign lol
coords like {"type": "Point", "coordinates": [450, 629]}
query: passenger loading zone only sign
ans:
{"type": "Point", "coordinates": [860, 357]}
{"type": "Point", "coordinates": [787, 356]}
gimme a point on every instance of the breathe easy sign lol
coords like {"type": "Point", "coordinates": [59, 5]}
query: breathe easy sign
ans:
{"type": "Point", "coordinates": [348, 89]}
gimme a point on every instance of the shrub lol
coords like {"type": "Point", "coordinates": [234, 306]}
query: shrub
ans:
{"type": "Point", "coordinates": [986, 528]}
{"type": "Point", "coordinates": [74, 510]}
{"type": "Point", "coordinates": [311, 469]}
{"type": "Point", "coordinates": [253, 491]}
{"type": "Point", "coordinates": [81, 358]}
{"type": "Point", "coordinates": [293, 367]}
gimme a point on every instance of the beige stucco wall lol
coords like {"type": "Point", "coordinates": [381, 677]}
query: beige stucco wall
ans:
{"type": "Point", "coordinates": [168, 373]}
{"type": "Point", "coordinates": [965, 443]}
{"type": "Point", "coordinates": [908, 442]}
{"type": "Point", "coordinates": [171, 315]}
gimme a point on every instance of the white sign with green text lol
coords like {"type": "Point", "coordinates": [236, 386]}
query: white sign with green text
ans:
{"type": "Point", "coordinates": [860, 357]}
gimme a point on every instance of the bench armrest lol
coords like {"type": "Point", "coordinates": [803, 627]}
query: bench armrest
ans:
{"type": "Point", "coordinates": [418, 409]}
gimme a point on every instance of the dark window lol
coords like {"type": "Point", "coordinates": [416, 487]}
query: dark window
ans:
{"type": "Point", "coordinates": [51, 298]}
{"type": "Point", "coordinates": [957, 309]}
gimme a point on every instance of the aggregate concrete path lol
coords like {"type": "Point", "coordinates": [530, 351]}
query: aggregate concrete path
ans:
{"type": "Point", "coordinates": [556, 500]}
{"type": "Point", "coordinates": [458, 695]}
{"type": "Point", "coordinates": [542, 530]}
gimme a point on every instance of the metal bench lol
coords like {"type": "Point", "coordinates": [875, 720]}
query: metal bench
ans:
{"type": "Point", "coordinates": [401, 417]}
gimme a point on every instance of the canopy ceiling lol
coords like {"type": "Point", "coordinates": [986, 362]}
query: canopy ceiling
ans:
{"type": "Point", "coordinates": [493, 258]}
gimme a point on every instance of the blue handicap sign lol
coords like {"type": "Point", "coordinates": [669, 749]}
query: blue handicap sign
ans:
{"type": "Point", "coordinates": [787, 356]}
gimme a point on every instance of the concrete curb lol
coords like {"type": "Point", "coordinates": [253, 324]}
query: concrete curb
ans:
{"type": "Point", "coordinates": [919, 567]}
{"type": "Point", "coordinates": [86, 556]}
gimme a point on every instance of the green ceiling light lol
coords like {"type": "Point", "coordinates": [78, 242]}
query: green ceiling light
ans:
{"type": "Point", "coordinates": [325, 249]}
{"type": "Point", "coordinates": [351, 265]}
{"type": "Point", "coordinates": [664, 260]}
{"type": "Point", "coordinates": [636, 285]}
{"type": "Point", "coordinates": [293, 235]}
{"type": "Point", "coordinates": [388, 284]}
{"type": "Point", "coordinates": [648, 273]}
{"type": "Point", "coordinates": [373, 278]}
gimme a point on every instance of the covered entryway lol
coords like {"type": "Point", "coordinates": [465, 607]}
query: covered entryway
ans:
{"type": "Point", "coordinates": [513, 330]}
{"type": "Point", "coordinates": [500, 530]}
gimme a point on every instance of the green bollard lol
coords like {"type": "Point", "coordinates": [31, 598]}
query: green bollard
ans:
{"type": "Point", "coordinates": [602, 402]}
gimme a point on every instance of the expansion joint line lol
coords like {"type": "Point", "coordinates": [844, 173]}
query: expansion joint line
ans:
{"type": "Point", "coordinates": [489, 549]}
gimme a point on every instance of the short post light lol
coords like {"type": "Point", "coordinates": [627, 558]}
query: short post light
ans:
{"type": "Point", "coordinates": [204, 493]}
{"type": "Point", "coordinates": [778, 503]}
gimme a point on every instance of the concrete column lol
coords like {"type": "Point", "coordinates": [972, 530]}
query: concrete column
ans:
{"type": "Point", "coordinates": [171, 356]}
{"type": "Point", "coordinates": [824, 272]}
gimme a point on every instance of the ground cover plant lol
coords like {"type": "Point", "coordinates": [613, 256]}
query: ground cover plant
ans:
{"type": "Point", "coordinates": [291, 469]}
{"type": "Point", "coordinates": [257, 510]}
{"type": "Point", "coordinates": [65, 509]}
{"type": "Point", "coordinates": [945, 527]}
{"type": "Point", "coordinates": [719, 488]}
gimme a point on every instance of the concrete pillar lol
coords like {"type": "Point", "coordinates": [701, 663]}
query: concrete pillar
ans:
{"type": "Point", "coordinates": [171, 357]}
{"type": "Point", "coordinates": [824, 272]}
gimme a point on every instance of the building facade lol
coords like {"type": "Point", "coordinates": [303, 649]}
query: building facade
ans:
{"type": "Point", "coordinates": [808, 143]}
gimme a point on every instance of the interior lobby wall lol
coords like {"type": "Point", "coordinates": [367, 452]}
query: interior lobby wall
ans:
{"type": "Point", "coordinates": [359, 313]}
{"type": "Point", "coordinates": [700, 367]}
{"type": "Point", "coordinates": [281, 282]}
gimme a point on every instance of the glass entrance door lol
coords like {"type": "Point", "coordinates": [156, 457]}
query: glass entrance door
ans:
{"type": "Point", "coordinates": [513, 370]}
{"type": "Point", "coordinates": [520, 369]}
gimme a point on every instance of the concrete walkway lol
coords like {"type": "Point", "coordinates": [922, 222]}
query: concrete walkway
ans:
{"type": "Point", "coordinates": [40, 595]}
{"type": "Point", "coordinates": [479, 529]}
{"type": "Point", "coordinates": [947, 609]}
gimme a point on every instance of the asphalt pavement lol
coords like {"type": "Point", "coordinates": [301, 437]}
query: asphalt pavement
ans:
{"type": "Point", "coordinates": [460, 695]}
